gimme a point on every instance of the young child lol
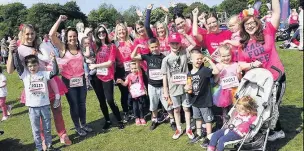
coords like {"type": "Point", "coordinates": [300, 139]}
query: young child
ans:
{"type": "Point", "coordinates": [3, 93]}
{"type": "Point", "coordinates": [200, 93]}
{"type": "Point", "coordinates": [37, 96]}
{"type": "Point", "coordinates": [174, 69]}
{"type": "Point", "coordinates": [137, 90]}
{"type": "Point", "coordinates": [89, 59]}
{"type": "Point", "coordinates": [228, 78]}
{"type": "Point", "coordinates": [155, 81]}
{"type": "Point", "coordinates": [245, 115]}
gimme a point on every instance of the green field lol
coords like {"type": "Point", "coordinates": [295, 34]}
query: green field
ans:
{"type": "Point", "coordinates": [18, 134]}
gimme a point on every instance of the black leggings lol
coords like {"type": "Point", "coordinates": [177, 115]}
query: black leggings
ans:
{"type": "Point", "coordinates": [104, 91]}
{"type": "Point", "coordinates": [124, 92]}
{"type": "Point", "coordinates": [138, 107]}
{"type": "Point", "coordinates": [280, 94]}
{"type": "Point", "coordinates": [292, 27]}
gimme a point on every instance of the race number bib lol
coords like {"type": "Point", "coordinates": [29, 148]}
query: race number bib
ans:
{"type": "Point", "coordinates": [37, 87]}
{"type": "Point", "coordinates": [127, 66]}
{"type": "Point", "coordinates": [229, 82]}
{"type": "Point", "coordinates": [76, 82]}
{"type": "Point", "coordinates": [136, 91]}
{"type": "Point", "coordinates": [155, 74]}
{"type": "Point", "coordinates": [216, 55]}
{"type": "Point", "coordinates": [102, 71]}
{"type": "Point", "coordinates": [180, 78]}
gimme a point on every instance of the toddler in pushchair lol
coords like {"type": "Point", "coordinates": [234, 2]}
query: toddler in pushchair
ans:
{"type": "Point", "coordinates": [256, 99]}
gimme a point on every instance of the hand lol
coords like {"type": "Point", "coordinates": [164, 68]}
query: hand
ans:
{"type": "Point", "coordinates": [195, 12]}
{"type": "Point", "coordinates": [63, 18]}
{"type": "Point", "coordinates": [34, 52]}
{"type": "Point", "coordinates": [92, 66]}
{"type": "Point", "coordinates": [57, 103]}
{"type": "Point", "coordinates": [166, 94]}
{"type": "Point", "coordinates": [188, 87]}
{"type": "Point", "coordinates": [52, 56]}
{"type": "Point", "coordinates": [139, 13]}
{"type": "Point", "coordinates": [12, 46]}
{"type": "Point", "coordinates": [256, 64]}
{"type": "Point", "coordinates": [164, 8]}
{"type": "Point", "coordinates": [150, 6]}
{"type": "Point", "coordinates": [206, 59]}
{"type": "Point", "coordinates": [201, 18]}
{"type": "Point", "coordinates": [119, 81]}
{"type": "Point", "coordinates": [89, 61]}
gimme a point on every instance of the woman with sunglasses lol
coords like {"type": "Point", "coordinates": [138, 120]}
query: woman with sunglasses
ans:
{"type": "Point", "coordinates": [72, 75]}
{"type": "Point", "coordinates": [102, 82]}
{"type": "Point", "coordinates": [259, 44]}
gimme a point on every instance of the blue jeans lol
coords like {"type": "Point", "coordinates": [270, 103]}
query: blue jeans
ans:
{"type": "Point", "coordinates": [219, 138]}
{"type": "Point", "coordinates": [43, 113]}
{"type": "Point", "coordinates": [76, 97]}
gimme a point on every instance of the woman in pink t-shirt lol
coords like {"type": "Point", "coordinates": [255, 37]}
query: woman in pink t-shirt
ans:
{"type": "Point", "coordinates": [293, 21]}
{"type": "Point", "coordinates": [72, 71]}
{"type": "Point", "coordinates": [102, 82]}
{"type": "Point", "coordinates": [123, 58]}
{"type": "Point", "coordinates": [258, 44]}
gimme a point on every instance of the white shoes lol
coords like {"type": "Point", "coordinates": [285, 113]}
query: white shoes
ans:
{"type": "Point", "coordinates": [277, 135]}
{"type": "Point", "coordinates": [4, 118]}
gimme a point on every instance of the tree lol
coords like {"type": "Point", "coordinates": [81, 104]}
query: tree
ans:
{"type": "Point", "coordinates": [129, 16]}
{"type": "Point", "coordinates": [157, 14]}
{"type": "Point", "coordinates": [201, 7]}
{"type": "Point", "coordinates": [232, 7]}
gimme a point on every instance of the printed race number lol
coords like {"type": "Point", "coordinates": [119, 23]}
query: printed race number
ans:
{"type": "Point", "coordinates": [76, 82]}
{"type": "Point", "coordinates": [229, 82]}
{"type": "Point", "coordinates": [36, 87]}
{"type": "Point", "coordinates": [155, 74]}
{"type": "Point", "coordinates": [179, 78]}
{"type": "Point", "coordinates": [102, 71]}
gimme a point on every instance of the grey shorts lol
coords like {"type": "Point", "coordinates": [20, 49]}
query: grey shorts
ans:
{"type": "Point", "coordinates": [203, 113]}
{"type": "Point", "coordinates": [156, 95]}
{"type": "Point", "coordinates": [180, 100]}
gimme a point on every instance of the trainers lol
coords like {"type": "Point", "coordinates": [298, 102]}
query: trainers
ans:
{"type": "Point", "coordinates": [107, 125]}
{"type": "Point", "coordinates": [9, 109]}
{"type": "Point", "coordinates": [190, 133]}
{"type": "Point", "coordinates": [64, 139]}
{"type": "Point", "coordinates": [143, 121]}
{"type": "Point", "coordinates": [121, 125]}
{"type": "Point", "coordinates": [4, 118]}
{"type": "Point", "coordinates": [137, 122]}
{"type": "Point", "coordinates": [195, 139]}
{"type": "Point", "coordinates": [173, 126]}
{"type": "Point", "coordinates": [177, 134]}
{"type": "Point", "coordinates": [81, 132]}
{"type": "Point", "coordinates": [153, 125]}
{"type": "Point", "coordinates": [126, 118]}
{"type": "Point", "coordinates": [87, 128]}
{"type": "Point", "coordinates": [205, 143]}
{"type": "Point", "coordinates": [276, 135]}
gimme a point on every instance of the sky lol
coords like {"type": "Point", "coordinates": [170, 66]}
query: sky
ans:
{"type": "Point", "coordinates": [87, 5]}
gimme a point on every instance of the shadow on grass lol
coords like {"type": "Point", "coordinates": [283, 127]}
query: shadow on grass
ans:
{"type": "Point", "coordinates": [10, 144]}
{"type": "Point", "coordinates": [292, 123]}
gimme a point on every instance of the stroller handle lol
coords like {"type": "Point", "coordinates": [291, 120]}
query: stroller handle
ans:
{"type": "Point", "coordinates": [278, 70]}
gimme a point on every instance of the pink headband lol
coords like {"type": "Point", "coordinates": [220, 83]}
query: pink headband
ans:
{"type": "Point", "coordinates": [248, 12]}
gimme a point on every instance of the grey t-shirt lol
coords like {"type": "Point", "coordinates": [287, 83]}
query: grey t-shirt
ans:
{"type": "Point", "coordinates": [174, 64]}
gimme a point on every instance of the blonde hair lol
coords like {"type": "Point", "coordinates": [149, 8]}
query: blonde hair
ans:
{"type": "Point", "coordinates": [249, 104]}
{"type": "Point", "coordinates": [165, 27]}
{"type": "Point", "coordinates": [36, 41]}
{"type": "Point", "coordinates": [235, 18]}
{"type": "Point", "coordinates": [224, 47]}
{"type": "Point", "coordinates": [127, 37]}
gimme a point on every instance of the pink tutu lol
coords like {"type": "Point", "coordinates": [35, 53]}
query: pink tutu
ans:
{"type": "Point", "coordinates": [61, 86]}
{"type": "Point", "coordinates": [222, 97]}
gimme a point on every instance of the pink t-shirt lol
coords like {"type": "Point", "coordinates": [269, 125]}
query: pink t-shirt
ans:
{"type": "Point", "coordinates": [235, 37]}
{"type": "Point", "coordinates": [242, 123]}
{"type": "Point", "coordinates": [104, 54]}
{"type": "Point", "coordinates": [142, 51]}
{"type": "Point", "coordinates": [186, 43]}
{"type": "Point", "coordinates": [267, 53]}
{"type": "Point", "coordinates": [24, 51]}
{"type": "Point", "coordinates": [228, 76]}
{"type": "Point", "coordinates": [72, 65]}
{"type": "Point", "coordinates": [164, 45]}
{"type": "Point", "coordinates": [124, 55]}
{"type": "Point", "coordinates": [136, 84]}
{"type": "Point", "coordinates": [212, 40]}
{"type": "Point", "coordinates": [294, 19]}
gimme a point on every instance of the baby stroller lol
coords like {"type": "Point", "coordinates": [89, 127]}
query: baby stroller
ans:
{"type": "Point", "coordinates": [257, 83]}
{"type": "Point", "coordinates": [289, 44]}
{"type": "Point", "coordinates": [282, 33]}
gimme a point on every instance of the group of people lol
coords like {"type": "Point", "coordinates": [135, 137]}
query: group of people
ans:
{"type": "Point", "coordinates": [175, 63]}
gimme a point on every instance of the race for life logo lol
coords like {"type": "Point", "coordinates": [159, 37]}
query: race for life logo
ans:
{"type": "Point", "coordinates": [214, 45]}
{"type": "Point", "coordinates": [256, 51]}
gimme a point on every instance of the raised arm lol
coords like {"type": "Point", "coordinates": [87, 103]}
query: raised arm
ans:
{"type": "Point", "coordinates": [147, 21]}
{"type": "Point", "coordinates": [55, 70]}
{"type": "Point", "coordinates": [87, 52]}
{"type": "Point", "coordinates": [18, 64]}
{"type": "Point", "coordinates": [135, 55]}
{"type": "Point", "coordinates": [166, 14]}
{"type": "Point", "coordinates": [215, 70]}
{"type": "Point", "coordinates": [10, 61]}
{"type": "Point", "coordinates": [276, 11]}
{"type": "Point", "coordinates": [54, 39]}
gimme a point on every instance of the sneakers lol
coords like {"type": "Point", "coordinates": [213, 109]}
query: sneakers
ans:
{"type": "Point", "coordinates": [125, 118]}
{"type": "Point", "coordinates": [143, 121]}
{"type": "Point", "coordinates": [107, 125]}
{"type": "Point", "coordinates": [205, 143]}
{"type": "Point", "coordinates": [64, 139]}
{"type": "Point", "coordinates": [81, 132]}
{"type": "Point", "coordinates": [177, 134]}
{"type": "Point", "coordinates": [153, 125]}
{"type": "Point", "coordinates": [4, 118]}
{"type": "Point", "coordinates": [276, 135]}
{"type": "Point", "coordinates": [87, 128]}
{"type": "Point", "coordinates": [9, 109]}
{"type": "Point", "coordinates": [121, 125]}
{"type": "Point", "coordinates": [190, 133]}
{"type": "Point", "coordinates": [137, 122]}
{"type": "Point", "coordinates": [173, 126]}
{"type": "Point", "coordinates": [195, 139]}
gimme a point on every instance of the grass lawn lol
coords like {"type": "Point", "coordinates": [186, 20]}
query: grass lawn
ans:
{"type": "Point", "coordinates": [18, 134]}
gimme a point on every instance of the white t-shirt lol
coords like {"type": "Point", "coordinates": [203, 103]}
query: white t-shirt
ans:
{"type": "Point", "coordinates": [3, 90]}
{"type": "Point", "coordinates": [36, 89]}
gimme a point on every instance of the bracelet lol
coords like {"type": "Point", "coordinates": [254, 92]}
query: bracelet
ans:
{"type": "Point", "coordinates": [251, 65]}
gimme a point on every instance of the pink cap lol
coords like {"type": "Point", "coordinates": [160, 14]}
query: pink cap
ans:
{"type": "Point", "coordinates": [175, 37]}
